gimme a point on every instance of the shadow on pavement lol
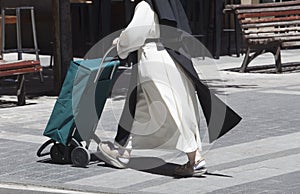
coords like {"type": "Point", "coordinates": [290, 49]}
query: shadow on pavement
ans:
{"type": "Point", "coordinates": [10, 103]}
{"type": "Point", "coordinates": [286, 68]}
{"type": "Point", "coordinates": [215, 85]}
{"type": "Point", "coordinates": [218, 174]}
{"type": "Point", "coordinates": [158, 166]}
{"type": "Point", "coordinates": [152, 165]}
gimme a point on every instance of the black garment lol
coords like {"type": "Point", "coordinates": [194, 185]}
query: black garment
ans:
{"type": "Point", "coordinates": [171, 13]}
{"type": "Point", "coordinates": [219, 117]}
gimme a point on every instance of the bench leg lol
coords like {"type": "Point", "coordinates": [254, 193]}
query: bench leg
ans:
{"type": "Point", "coordinates": [273, 48]}
{"type": "Point", "coordinates": [237, 36]}
{"type": "Point", "coordinates": [277, 56]}
{"type": "Point", "coordinates": [21, 90]}
{"type": "Point", "coordinates": [248, 58]}
{"type": "Point", "coordinates": [245, 61]}
{"type": "Point", "coordinates": [41, 77]}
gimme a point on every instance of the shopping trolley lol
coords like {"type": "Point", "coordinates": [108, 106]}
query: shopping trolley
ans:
{"type": "Point", "coordinates": [78, 109]}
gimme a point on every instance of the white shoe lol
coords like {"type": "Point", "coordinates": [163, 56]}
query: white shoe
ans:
{"type": "Point", "coordinates": [113, 154]}
{"type": "Point", "coordinates": [200, 167]}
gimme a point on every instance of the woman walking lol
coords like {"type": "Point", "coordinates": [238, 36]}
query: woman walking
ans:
{"type": "Point", "coordinates": [163, 103]}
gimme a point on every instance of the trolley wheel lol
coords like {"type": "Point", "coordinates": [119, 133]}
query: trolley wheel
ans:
{"type": "Point", "coordinates": [80, 157]}
{"type": "Point", "coordinates": [58, 155]}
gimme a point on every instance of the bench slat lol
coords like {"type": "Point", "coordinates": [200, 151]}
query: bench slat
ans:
{"type": "Point", "coordinates": [20, 71]}
{"type": "Point", "coordinates": [288, 38]}
{"type": "Point", "coordinates": [267, 9]}
{"type": "Point", "coordinates": [266, 14]}
{"type": "Point", "coordinates": [268, 20]}
{"type": "Point", "coordinates": [18, 64]}
{"type": "Point", "coordinates": [9, 19]}
{"type": "Point", "coordinates": [268, 30]}
{"type": "Point", "coordinates": [261, 5]}
{"type": "Point", "coordinates": [290, 44]}
{"type": "Point", "coordinates": [274, 39]}
{"type": "Point", "coordinates": [271, 24]}
{"type": "Point", "coordinates": [271, 35]}
{"type": "Point", "coordinates": [23, 50]}
{"type": "Point", "coordinates": [260, 41]}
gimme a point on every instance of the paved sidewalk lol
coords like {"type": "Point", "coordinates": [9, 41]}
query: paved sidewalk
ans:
{"type": "Point", "coordinates": [261, 155]}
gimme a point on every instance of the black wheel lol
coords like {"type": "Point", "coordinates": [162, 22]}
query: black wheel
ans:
{"type": "Point", "coordinates": [58, 154]}
{"type": "Point", "coordinates": [80, 157]}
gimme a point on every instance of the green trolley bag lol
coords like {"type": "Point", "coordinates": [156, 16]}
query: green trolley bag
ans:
{"type": "Point", "coordinates": [77, 111]}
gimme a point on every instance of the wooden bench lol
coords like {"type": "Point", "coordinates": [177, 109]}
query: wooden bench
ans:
{"type": "Point", "coordinates": [19, 69]}
{"type": "Point", "coordinates": [268, 28]}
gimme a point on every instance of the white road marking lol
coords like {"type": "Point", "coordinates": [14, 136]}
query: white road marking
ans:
{"type": "Point", "coordinates": [116, 179]}
{"type": "Point", "coordinates": [39, 139]}
{"type": "Point", "coordinates": [40, 189]}
{"type": "Point", "coordinates": [253, 149]}
{"type": "Point", "coordinates": [289, 92]}
{"type": "Point", "coordinates": [294, 88]}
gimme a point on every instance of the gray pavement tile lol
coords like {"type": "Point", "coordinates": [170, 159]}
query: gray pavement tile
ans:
{"type": "Point", "coordinates": [287, 183]}
{"type": "Point", "coordinates": [274, 117]}
{"type": "Point", "coordinates": [250, 160]}
{"type": "Point", "coordinates": [149, 183]}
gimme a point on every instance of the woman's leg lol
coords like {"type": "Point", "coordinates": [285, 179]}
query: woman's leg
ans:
{"type": "Point", "coordinates": [195, 157]}
{"type": "Point", "coordinates": [192, 157]}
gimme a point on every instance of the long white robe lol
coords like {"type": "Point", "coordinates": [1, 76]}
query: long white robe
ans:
{"type": "Point", "coordinates": [167, 114]}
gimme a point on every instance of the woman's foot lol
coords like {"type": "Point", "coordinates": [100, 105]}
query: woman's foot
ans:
{"type": "Point", "coordinates": [113, 154]}
{"type": "Point", "coordinates": [184, 170]}
{"type": "Point", "coordinates": [200, 167]}
{"type": "Point", "coordinates": [189, 169]}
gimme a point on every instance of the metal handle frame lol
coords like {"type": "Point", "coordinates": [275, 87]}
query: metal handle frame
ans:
{"type": "Point", "coordinates": [101, 67]}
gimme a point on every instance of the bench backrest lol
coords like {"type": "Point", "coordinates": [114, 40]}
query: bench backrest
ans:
{"type": "Point", "coordinates": [19, 67]}
{"type": "Point", "coordinates": [269, 22]}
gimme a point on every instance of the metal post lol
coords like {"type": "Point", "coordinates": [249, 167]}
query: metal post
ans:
{"type": "Point", "coordinates": [19, 34]}
{"type": "Point", "coordinates": [36, 49]}
{"type": "Point", "coordinates": [63, 50]}
{"type": "Point", "coordinates": [218, 12]}
{"type": "Point", "coordinates": [2, 35]}
{"type": "Point", "coordinates": [34, 35]}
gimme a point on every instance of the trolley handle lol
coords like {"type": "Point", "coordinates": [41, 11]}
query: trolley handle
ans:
{"type": "Point", "coordinates": [101, 68]}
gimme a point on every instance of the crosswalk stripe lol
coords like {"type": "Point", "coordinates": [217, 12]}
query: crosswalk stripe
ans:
{"type": "Point", "coordinates": [22, 137]}
{"type": "Point", "coordinates": [116, 179]}
{"type": "Point", "coordinates": [294, 87]}
{"type": "Point", "coordinates": [39, 139]}
{"type": "Point", "coordinates": [253, 149]}
{"type": "Point", "coordinates": [38, 189]}
{"type": "Point", "coordinates": [240, 175]}
{"type": "Point", "coordinates": [289, 92]}
{"type": "Point", "coordinates": [229, 153]}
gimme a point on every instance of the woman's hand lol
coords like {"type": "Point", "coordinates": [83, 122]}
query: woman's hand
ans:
{"type": "Point", "coordinates": [115, 41]}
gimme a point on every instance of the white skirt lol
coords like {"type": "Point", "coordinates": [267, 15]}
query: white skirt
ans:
{"type": "Point", "coordinates": [167, 115]}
